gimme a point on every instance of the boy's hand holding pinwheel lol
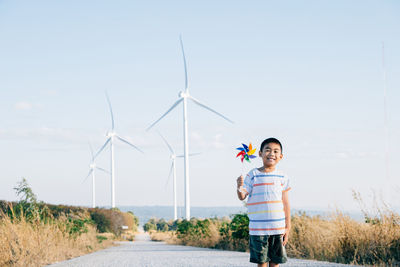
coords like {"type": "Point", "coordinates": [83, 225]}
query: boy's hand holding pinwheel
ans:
{"type": "Point", "coordinates": [246, 153]}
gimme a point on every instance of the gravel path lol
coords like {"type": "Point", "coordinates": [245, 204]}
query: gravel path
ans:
{"type": "Point", "coordinates": [144, 252]}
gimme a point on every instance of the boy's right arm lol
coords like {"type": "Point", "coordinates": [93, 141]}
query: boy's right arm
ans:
{"type": "Point", "coordinates": [241, 192]}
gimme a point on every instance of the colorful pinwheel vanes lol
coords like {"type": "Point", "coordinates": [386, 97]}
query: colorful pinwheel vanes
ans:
{"type": "Point", "coordinates": [246, 152]}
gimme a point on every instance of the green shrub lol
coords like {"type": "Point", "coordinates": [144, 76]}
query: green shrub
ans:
{"type": "Point", "coordinates": [131, 221]}
{"type": "Point", "coordinates": [76, 227]}
{"type": "Point", "coordinates": [100, 238]}
{"type": "Point", "coordinates": [160, 225]}
{"type": "Point", "coordinates": [135, 222]}
{"type": "Point", "coordinates": [150, 225]}
{"type": "Point", "coordinates": [110, 220]}
{"type": "Point", "coordinates": [101, 221]}
{"type": "Point", "coordinates": [240, 226]}
{"type": "Point", "coordinates": [193, 230]}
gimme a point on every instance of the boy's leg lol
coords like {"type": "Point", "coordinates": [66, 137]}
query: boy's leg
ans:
{"type": "Point", "coordinates": [259, 250]}
{"type": "Point", "coordinates": [271, 264]}
{"type": "Point", "coordinates": [277, 251]}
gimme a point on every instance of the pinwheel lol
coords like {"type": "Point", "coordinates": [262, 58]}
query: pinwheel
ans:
{"type": "Point", "coordinates": [246, 152]}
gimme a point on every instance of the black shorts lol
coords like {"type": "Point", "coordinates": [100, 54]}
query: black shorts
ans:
{"type": "Point", "coordinates": [266, 248]}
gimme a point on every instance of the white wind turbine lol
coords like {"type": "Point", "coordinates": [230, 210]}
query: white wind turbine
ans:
{"type": "Point", "coordinates": [110, 139]}
{"type": "Point", "coordinates": [385, 115]}
{"type": "Point", "coordinates": [183, 97]}
{"type": "Point", "coordinates": [172, 170]}
{"type": "Point", "coordinates": [93, 167]}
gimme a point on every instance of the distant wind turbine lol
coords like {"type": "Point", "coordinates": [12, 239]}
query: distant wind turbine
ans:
{"type": "Point", "coordinates": [110, 139]}
{"type": "Point", "coordinates": [385, 117]}
{"type": "Point", "coordinates": [93, 167]}
{"type": "Point", "coordinates": [173, 171]}
{"type": "Point", "coordinates": [183, 97]}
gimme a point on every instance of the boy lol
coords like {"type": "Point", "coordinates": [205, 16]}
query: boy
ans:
{"type": "Point", "coordinates": [268, 207]}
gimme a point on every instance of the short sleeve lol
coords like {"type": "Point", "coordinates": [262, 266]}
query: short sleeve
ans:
{"type": "Point", "coordinates": [286, 184]}
{"type": "Point", "coordinates": [248, 182]}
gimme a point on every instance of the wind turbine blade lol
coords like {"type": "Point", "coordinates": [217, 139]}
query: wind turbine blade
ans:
{"type": "Point", "coordinates": [91, 151]}
{"type": "Point", "coordinates": [165, 141]}
{"type": "Point", "coordinates": [101, 169]}
{"type": "Point", "coordinates": [190, 154]}
{"type": "Point", "coordinates": [102, 148]}
{"type": "Point", "coordinates": [169, 175]}
{"type": "Point", "coordinates": [112, 115]}
{"type": "Point", "coordinates": [210, 109]}
{"type": "Point", "coordinates": [129, 143]}
{"type": "Point", "coordinates": [90, 172]}
{"type": "Point", "coordinates": [171, 108]}
{"type": "Point", "coordinates": [184, 64]}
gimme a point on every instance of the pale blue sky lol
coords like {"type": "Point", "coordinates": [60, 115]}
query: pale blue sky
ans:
{"type": "Point", "coordinates": [308, 73]}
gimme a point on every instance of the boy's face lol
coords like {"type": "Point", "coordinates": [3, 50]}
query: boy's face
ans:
{"type": "Point", "coordinates": [271, 154]}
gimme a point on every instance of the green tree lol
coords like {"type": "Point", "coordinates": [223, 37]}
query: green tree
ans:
{"type": "Point", "coordinates": [25, 192]}
{"type": "Point", "coordinates": [150, 225]}
{"type": "Point", "coordinates": [28, 204]}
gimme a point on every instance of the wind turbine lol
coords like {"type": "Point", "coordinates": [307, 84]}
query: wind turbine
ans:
{"type": "Point", "coordinates": [173, 157]}
{"type": "Point", "coordinates": [110, 140]}
{"type": "Point", "coordinates": [183, 97]}
{"type": "Point", "coordinates": [92, 167]}
{"type": "Point", "coordinates": [385, 115]}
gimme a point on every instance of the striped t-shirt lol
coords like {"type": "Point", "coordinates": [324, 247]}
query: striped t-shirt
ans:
{"type": "Point", "coordinates": [264, 205]}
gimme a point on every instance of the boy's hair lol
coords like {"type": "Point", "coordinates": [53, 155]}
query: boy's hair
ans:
{"type": "Point", "coordinates": [270, 140]}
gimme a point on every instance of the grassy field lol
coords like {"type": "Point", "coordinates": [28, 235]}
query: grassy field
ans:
{"type": "Point", "coordinates": [336, 238]}
{"type": "Point", "coordinates": [33, 233]}
{"type": "Point", "coordinates": [36, 243]}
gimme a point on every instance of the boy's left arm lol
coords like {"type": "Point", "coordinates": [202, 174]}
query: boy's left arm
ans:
{"type": "Point", "coordinates": [286, 207]}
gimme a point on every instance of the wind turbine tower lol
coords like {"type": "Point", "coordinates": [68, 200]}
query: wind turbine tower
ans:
{"type": "Point", "coordinates": [110, 140]}
{"type": "Point", "coordinates": [183, 97]}
{"type": "Point", "coordinates": [92, 167]}
{"type": "Point", "coordinates": [173, 157]}
{"type": "Point", "coordinates": [385, 116]}
{"type": "Point", "coordinates": [173, 171]}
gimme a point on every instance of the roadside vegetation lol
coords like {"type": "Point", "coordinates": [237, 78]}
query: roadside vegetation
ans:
{"type": "Point", "coordinates": [33, 233]}
{"type": "Point", "coordinates": [336, 238]}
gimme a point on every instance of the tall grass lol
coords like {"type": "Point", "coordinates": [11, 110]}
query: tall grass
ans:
{"type": "Point", "coordinates": [336, 238]}
{"type": "Point", "coordinates": [376, 241]}
{"type": "Point", "coordinates": [36, 243]}
{"type": "Point", "coordinates": [342, 239]}
{"type": "Point", "coordinates": [33, 233]}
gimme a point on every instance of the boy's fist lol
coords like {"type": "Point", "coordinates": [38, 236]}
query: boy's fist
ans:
{"type": "Point", "coordinates": [239, 181]}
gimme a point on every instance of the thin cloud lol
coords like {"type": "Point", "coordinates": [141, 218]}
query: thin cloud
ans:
{"type": "Point", "coordinates": [42, 134]}
{"type": "Point", "coordinates": [217, 142]}
{"type": "Point", "coordinates": [49, 92]}
{"type": "Point", "coordinates": [23, 105]}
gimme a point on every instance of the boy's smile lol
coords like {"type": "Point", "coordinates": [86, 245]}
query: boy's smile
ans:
{"type": "Point", "coordinates": [271, 155]}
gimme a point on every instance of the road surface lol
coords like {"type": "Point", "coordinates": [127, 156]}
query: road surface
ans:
{"type": "Point", "coordinates": [146, 253]}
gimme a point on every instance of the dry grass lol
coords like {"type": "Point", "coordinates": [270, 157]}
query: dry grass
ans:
{"type": "Point", "coordinates": [36, 243]}
{"type": "Point", "coordinates": [207, 236]}
{"type": "Point", "coordinates": [209, 240]}
{"type": "Point", "coordinates": [169, 237]}
{"type": "Point", "coordinates": [127, 236]}
{"type": "Point", "coordinates": [342, 239]}
{"type": "Point", "coordinates": [202, 233]}
{"type": "Point", "coordinates": [336, 239]}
